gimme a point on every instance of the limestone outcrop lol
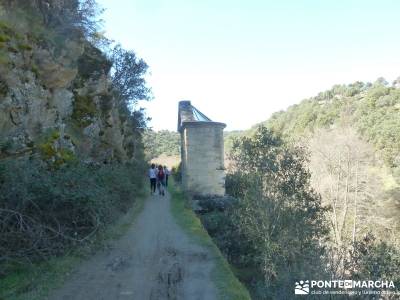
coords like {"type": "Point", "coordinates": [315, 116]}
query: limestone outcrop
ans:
{"type": "Point", "coordinates": [56, 100]}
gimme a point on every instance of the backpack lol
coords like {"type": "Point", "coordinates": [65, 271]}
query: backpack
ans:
{"type": "Point", "coordinates": [160, 174]}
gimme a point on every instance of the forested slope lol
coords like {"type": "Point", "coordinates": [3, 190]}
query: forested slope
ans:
{"type": "Point", "coordinates": [163, 142]}
{"type": "Point", "coordinates": [352, 133]}
{"type": "Point", "coordinates": [372, 109]}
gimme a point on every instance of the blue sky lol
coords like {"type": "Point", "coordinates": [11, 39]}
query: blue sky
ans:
{"type": "Point", "coordinates": [240, 61]}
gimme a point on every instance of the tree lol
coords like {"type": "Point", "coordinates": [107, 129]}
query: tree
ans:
{"type": "Point", "coordinates": [375, 260]}
{"type": "Point", "coordinates": [343, 173]}
{"type": "Point", "coordinates": [279, 217]}
{"type": "Point", "coordinates": [381, 81]}
{"type": "Point", "coordinates": [129, 84]}
{"type": "Point", "coordinates": [127, 74]}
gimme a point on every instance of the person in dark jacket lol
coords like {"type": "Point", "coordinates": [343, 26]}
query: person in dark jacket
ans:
{"type": "Point", "coordinates": [161, 180]}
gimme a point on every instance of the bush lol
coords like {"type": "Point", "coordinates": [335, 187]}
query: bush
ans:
{"type": "Point", "coordinates": [371, 259]}
{"type": "Point", "coordinates": [177, 173]}
{"type": "Point", "coordinates": [214, 203]}
{"type": "Point", "coordinates": [84, 110]}
{"type": "Point", "coordinates": [44, 211]}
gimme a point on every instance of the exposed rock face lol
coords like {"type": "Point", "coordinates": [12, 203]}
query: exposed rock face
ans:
{"type": "Point", "coordinates": [25, 109]}
{"type": "Point", "coordinates": [54, 99]}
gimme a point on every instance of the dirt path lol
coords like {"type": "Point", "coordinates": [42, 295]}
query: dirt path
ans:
{"type": "Point", "coordinates": [154, 260]}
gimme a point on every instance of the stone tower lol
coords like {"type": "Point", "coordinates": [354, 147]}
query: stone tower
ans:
{"type": "Point", "coordinates": [202, 152]}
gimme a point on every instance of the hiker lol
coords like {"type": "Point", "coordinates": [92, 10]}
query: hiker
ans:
{"type": "Point", "coordinates": [161, 180]}
{"type": "Point", "coordinates": [167, 173]}
{"type": "Point", "coordinates": [153, 178]}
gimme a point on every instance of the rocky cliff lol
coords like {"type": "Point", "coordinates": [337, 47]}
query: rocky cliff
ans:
{"type": "Point", "coordinates": [56, 96]}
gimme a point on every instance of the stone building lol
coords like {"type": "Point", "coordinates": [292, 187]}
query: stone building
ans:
{"type": "Point", "coordinates": [202, 152]}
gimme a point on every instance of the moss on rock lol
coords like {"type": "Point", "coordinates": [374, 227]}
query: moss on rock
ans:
{"type": "Point", "coordinates": [3, 88]}
{"type": "Point", "coordinates": [52, 153]}
{"type": "Point", "coordinates": [84, 110]}
{"type": "Point", "coordinates": [93, 63]}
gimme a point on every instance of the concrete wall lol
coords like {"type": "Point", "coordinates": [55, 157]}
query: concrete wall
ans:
{"type": "Point", "coordinates": [203, 158]}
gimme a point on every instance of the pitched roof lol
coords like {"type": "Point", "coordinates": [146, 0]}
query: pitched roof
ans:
{"type": "Point", "coordinates": [188, 113]}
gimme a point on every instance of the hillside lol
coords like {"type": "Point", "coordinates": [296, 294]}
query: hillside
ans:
{"type": "Point", "coordinates": [352, 134]}
{"type": "Point", "coordinates": [161, 142]}
{"type": "Point", "coordinates": [372, 109]}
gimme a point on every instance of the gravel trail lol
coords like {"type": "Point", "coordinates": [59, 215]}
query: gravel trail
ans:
{"type": "Point", "coordinates": [154, 260]}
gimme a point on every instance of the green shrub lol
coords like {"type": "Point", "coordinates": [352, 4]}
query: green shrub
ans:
{"type": "Point", "coordinates": [5, 145]}
{"type": "Point", "coordinates": [375, 260]}
{"type": "Point", "coordinates": [4, 38]}
{"type": "Point", "coordinates": [93, 63]}
{"type": "Point", "coordinates": [35, 69]}
{"type": "Point", "coordinates": [106, 102]}
{"type": "Point", "coordinates": [25, 47]}
{"type": "Point", "coordinates": [45, 211]}
{"type": "Point", "coordinates": [3, 88]}
{"type": "Point", "coordinates": [53, 156]}
{"type": "Point", "coordinates": [177, 173]}
{"type": "Point", "coordinates": [84, 110]}
{"type": "Point", "coordinates": [47, 150]}
{"type": "Point", "coordinates": [4, 58]}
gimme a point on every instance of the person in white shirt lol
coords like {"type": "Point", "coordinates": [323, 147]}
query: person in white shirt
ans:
{"type": "Point", "coordinates": [153, 178]}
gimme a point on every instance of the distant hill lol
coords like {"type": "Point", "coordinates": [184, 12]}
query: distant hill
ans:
{"type": "Point", "coordinates": [164, 142]}
{"type": "Point", "coordinates": [352, 135]}
{"type": "Point", "coordinates": [373, 109]}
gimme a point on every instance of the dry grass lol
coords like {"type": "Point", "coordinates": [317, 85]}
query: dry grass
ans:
{"type": "Point", "coordinates": [165, 160]}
